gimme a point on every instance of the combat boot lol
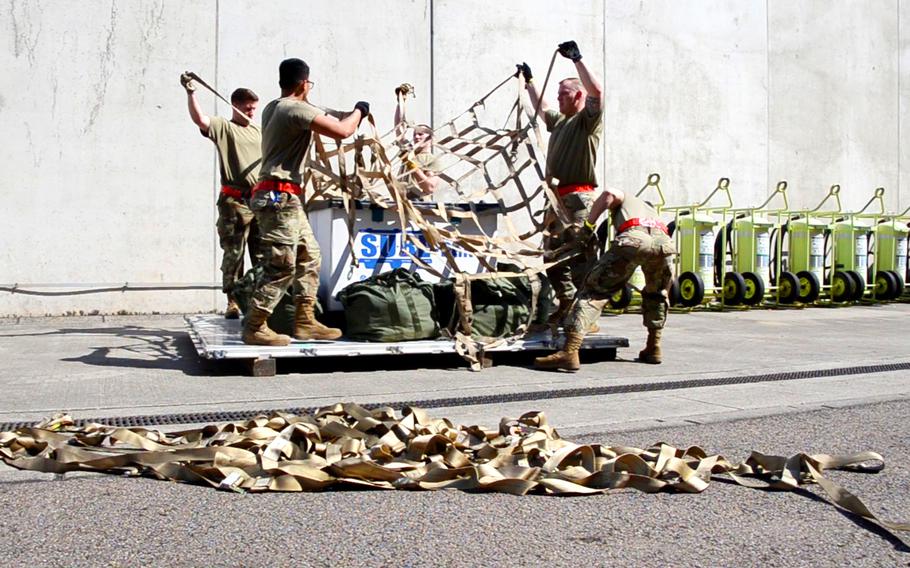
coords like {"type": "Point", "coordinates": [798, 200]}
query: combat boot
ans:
{"type": "Point", "coordinates": [565, 360]}
{"type": "Point", "coordinates": [306, 326]}
{"type": "Point", "coordinates": [651, 353]}
{"type": "Point", "coordinates": [232, 311]}
{"type": "Point", "coordinates": [257, 332]}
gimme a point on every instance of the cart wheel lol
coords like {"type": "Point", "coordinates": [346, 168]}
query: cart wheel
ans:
{"type": "Point", "coordinates": [843, 287]}
{"type": "Point", "coordinates": [788, 287]}
{"type": "Point", "coordinates": [755, 289]}
{"type": "Point", "coordinates": [734, 288]}
{"type": "Point", "coordinates": [860, 290]}
{"type": "Point", "coordinates": [691, 289]}
{"type": "Point", "coordinates": [886, 285]}
{"type": "Point", "coordinates": [622, 298]}
{"type": "Point", "coordinates": [900, 283]}
{"type": "Point", "coordinates": [674, 292]}
{"type": "Point", "coordinates": [809, 286]}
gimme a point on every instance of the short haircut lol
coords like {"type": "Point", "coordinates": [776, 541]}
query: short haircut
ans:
{"type": "Point", "coordinates": [243, 95]}
{"type": "Point", "coordinates": [292, 72]}
{"type": "Point", "coordinates": [424, 128]}
{"type": "Point", "coordinates": [573, 82]}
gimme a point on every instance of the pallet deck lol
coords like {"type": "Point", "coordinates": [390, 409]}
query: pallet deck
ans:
{"type": "Point", "coordinates": [217, 338]}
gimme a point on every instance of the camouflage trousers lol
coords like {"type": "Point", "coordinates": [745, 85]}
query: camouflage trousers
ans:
{"type": "Point", "coordinates": [290, 253]}
{"type": "Point", "coordinates": [566, 277]}
{"type": "Point", "coordinates": [237, 228]}
{"type": "Point", "coordinates": [649, 248]}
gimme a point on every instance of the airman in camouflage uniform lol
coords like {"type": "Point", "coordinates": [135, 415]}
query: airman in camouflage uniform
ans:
{"type": "Point", "coordinates": [641, 240]}
{"type": "Point", "coordinates": [238, 144]}
{"type": "Point", "coordinates": [290, 252]}
{"type": "Point", "coordinates": [575, 131]}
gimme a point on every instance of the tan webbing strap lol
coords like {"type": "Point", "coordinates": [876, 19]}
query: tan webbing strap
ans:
{"type": "Point", "coordinates": [214, 92]}
{"type": "Point", "coordinates": [344, 444]}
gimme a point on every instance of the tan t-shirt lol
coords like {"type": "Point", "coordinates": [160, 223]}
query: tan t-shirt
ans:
{"type": "Point", "coordinates": [239, 151]}
{"type": "Point", "coordinates": [427, 162]}
{"type": "Point", "coordinates": [285, 139]}
{"type": "Point", "coordinates": [572, 151]}
{"type": "Point", "coordinates": [632, 208]}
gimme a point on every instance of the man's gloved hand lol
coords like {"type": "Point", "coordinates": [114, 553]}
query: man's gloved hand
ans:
{"type": "Point", "coordinates": [186, 81]}
{"type": "Point", "coordinates": [404, 90]}
{"type": "Point", "coordinates": [569, 50]}
{"type": "Point", "coordinates": [525, 70]}
{"type": "Point", "coordinates": [363, 107]}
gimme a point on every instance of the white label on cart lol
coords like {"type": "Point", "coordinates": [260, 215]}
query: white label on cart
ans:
{"type": "Point", "coordinates": [862, 254]}
{"type": "Point", "coordinates": [763, 255]}
{"type": "Point", "coordinates": [706, 257]}
{"type": "Point", "coordinates": [901, 260]}
{"type": "Point", "coordinates": [817, 255]}
{"type": "Point", "coordinates": [706, 243]}
{"type": "Point", "coordinates": [817, 246]}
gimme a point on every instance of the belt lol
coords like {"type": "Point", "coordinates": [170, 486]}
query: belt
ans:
{"type": "Point", "coordinates": [574, 188]}
{"type": "Point", "coordinates": [275, 185]}
{"type": "Point", "coordinates": [233, 192]}
{"type": "Point", "coordinates": [652, 223]}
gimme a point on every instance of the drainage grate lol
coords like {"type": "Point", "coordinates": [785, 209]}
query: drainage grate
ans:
{"type": "Point", "coordinates": [237, 415]}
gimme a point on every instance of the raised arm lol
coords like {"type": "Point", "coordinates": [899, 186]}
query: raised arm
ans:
{"type": "Point", "coordinates": [525, 70]}
{"type": "Point", "coordinates": [570, 50]}
{"type": "Point", "coordinates": [401, 93]}
{"type": "Point", "coordinates": [198, 117]}
{"type": "Point", "coordinates": [330, 126]}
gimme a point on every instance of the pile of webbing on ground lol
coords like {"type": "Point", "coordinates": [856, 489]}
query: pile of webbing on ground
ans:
{"type": "Point", "coordinates": [346, 444]}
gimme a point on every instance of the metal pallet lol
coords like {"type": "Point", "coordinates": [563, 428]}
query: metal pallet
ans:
{"type": "Point", "coordinates": [218, 339]}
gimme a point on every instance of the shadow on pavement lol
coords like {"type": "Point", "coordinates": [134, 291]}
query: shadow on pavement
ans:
{"type": "Point", "coordinates": [137, 347]}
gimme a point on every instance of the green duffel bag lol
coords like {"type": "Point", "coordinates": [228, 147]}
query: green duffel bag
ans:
{"type": "Point", "coordinates": [499, 306]}
{"type": "Point", "coordinates": [282, 318]}
{"type": "Point", "coordinates": [393, 306]}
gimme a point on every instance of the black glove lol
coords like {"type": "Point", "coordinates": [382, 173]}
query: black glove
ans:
{"type": "Point", "coordinates": [363, 107]}
{"type": "Point", "coordinates": [569, 50]}
{"type": "Point", "coordinates": [525, 70]}
{"type": "Point", "coordinates": [186, 81]}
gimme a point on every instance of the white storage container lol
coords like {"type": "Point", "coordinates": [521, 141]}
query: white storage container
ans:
{"type": "Point", "coordinates": [378, 244]}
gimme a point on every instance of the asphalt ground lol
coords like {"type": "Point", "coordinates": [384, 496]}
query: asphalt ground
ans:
{"type": "Point", "coordinates": [95, 520]}
{"type": "Point", "coordinates": [97, 367]}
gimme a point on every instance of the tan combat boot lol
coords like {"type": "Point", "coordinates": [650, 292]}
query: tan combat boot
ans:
{"type": "Point", "coordinates": [305, 324]}
{"type": "Point", "coordinates": [257, 332]}
{"type": "Point", "coordinates": [565, 360]}
{"type": "Point", "coordinates": [651, 352]}
{"type": "Point", "coordinates": [232, 311]}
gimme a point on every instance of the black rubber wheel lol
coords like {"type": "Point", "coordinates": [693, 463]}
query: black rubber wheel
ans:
{"type": "Point", "coordinates": [900, 284]}
{"type": "Point", "coordinates": [886, 285]}
{"type": "Point", "coordinates": [843, 287]}
{"type": "Point", "coordinates": [691, 289]}
{"type": "Point", "coordinates": [621, 299]}
{"type": "Point", "coordinates": [734, 288]}
{"type": "Point", "coordinates": [674, 293]}
{"type": "Point", "coordinates": [809, 287]}
{"type": "Point", "coordinates": [860, 289]}
{"type": "Point", "coordinates": [788, 287]}
{"type": "Point", "coordinates": [755, 289]}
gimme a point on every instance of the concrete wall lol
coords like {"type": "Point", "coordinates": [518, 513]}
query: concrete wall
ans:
{"type": "Point", "coordinates": [108, 182]}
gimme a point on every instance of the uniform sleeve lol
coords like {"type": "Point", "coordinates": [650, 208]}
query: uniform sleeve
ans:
{"type": "Point", "coordinates": [305, 114]}
{"type": "Point", "coordinates": [549, 119]}
{"type": "Point", "coordinates": [217, 127]}
{"type": "Point", "coordinates": [592, 115]}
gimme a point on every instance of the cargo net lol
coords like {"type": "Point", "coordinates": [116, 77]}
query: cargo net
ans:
{"type": "Point", "coordinates": [350, 446]}
{"type": "Point", "coordinates": [481, 165]}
